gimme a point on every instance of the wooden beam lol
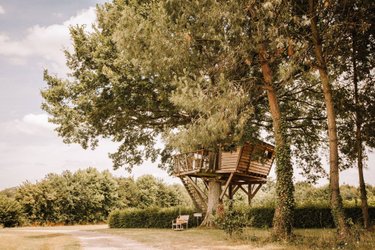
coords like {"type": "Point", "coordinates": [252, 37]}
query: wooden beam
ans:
{"type": "Point", "coordinates": [236, 188]}
{"type": "Point", "coordinates": [230, 191]}
{"type": "Point", "coordinates": [205, 184]}
{"type": "Point", "coordinates": [255, 190]}
{"type": "Point", "coordinates": [226, 185]}
{"type": "Point", "coordinates": [249, 188]}
{"type": "Point", "coordinates": [243, 189]}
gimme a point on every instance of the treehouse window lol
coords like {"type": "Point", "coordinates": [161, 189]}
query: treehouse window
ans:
{"type": "Point", "coordinates": [268, 154]}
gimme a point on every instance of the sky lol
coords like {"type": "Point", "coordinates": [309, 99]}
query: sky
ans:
{"type": "Point", "coordinates": [33, 35]}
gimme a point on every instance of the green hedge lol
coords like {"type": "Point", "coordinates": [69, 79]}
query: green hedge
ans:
{"type": "Point", "coordinates": [308, 217]}
{"type": "Point", "coordinates": [305, 217]}
{"type": "Point", "coordinates": [148, 218]}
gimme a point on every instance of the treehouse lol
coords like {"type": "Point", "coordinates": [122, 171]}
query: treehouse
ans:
{"type": "Point", "coordinates": [240, 168]}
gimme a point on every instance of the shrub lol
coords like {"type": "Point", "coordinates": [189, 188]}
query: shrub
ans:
{"type": "Point", "coordinates": [233, 221]}
{"type": "Point", "coordinates": [305, 217]}
{"type": "Point", "coordinates": [261, 216]}
{"type": "Point", "coordinates": [148, 218]}
{"type": "Point", "coordinates": [10, 212]}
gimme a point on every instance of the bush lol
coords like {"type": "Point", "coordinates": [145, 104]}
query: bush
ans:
{"type": "Point", "coordinates": [305, 217]}
{"type": "Point", "coordinates": [233, 221]}
{"type": "Point", "coordinates": [10, 212]}
{"type": "Point", "coordinates": [148, 218]}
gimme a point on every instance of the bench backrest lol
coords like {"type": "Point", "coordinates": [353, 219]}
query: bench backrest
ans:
{"type": "Point", "coordinates": [183, 218]}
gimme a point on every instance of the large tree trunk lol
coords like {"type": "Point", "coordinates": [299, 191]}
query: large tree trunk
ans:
{"type": "Point", "coordinates": [335, 200]}
{"type": "Point", "coordinates": [283, 218]}
{"type": "Point", "coordinates": [358, 137]}
{"type": "Point", "coordinates": [214, 205]}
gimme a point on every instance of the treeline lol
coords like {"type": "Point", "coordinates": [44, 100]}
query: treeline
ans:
{"type": "Point", "coordinates": [309, 195]}
{"type": "Point", "coordinates": [85, 196]}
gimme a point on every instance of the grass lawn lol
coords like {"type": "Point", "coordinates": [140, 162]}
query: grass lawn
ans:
{"type": "Point", "coordinates": [19, 240]}
{"type": "Point", "coordinates": [189, 239]}
{"type": "Point", "coordinates": [251, 239]}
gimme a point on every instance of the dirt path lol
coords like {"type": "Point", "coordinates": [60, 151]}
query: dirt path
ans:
{"type": "Point", "coordinates": [92, 240]}
{"type": "Point", "coordinates": [97, 241]}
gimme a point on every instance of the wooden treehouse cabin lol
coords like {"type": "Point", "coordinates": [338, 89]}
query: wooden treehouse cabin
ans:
{"type": "Point", "coordinates": [242, 168]}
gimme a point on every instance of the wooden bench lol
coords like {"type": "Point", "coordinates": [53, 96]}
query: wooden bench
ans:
{"type": "Point", "coordinates": [180, 221]}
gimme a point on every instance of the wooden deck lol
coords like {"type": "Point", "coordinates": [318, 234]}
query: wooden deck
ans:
{"type": "Point", "coordinates": [252, 160]}
{"type": "Point", "coordinates": [244, 168]}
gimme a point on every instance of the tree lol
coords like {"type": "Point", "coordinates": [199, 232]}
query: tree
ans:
{"type": "Point", "coordinates": [356, 110]}
{"type": "Point", "coordinates": [321, 64]}
{"type": "Point", "coordinates": [186, 70]}
{"type": "Point", "coordinates": [128, 193]}
{"type": "Point", "coordinates": [84, 196]}
{"type": "Point", "coordinates": [11, 214]}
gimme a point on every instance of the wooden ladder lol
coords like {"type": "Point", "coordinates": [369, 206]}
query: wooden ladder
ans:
{"type": "Point", "coordinates": [198, 197]}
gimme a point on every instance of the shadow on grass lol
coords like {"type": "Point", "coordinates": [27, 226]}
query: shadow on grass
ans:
{"type": "Point", "coordinates": [44, 236]}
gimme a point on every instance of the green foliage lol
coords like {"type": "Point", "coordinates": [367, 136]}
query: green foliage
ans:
{"type": "Point", "coordinates": [148, 218]}
{"type": "Point", "coordinates": [233, 221]}
{"type": "Point", "coordinates": [305, 217]}
{"type": "Point", "coordinates": [261, 216]}
{"type": "Point", "coordinates": [149, 191]}
{"type": "Point", "coordinates": [306, 194]}
{"type": "Point", "coordinates": [11, 214]}
{"type": "Point", "coordinates": [152, 192]}
{"type": "Point", "coordinates": [88, 196]}
{"type": "Point", "coordinates": [80, 197]}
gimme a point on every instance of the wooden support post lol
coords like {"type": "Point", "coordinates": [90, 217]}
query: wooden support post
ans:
{"type": "Point", "coordinates": [230, 194]}
{"type": "Point", "coordinates": [249, 194]}
{"type": "Point", "coordinates": [226, 185]}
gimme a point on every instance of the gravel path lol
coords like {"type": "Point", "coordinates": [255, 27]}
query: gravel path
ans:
{"type": "Point", "coordinates": [98, 241]}
{"type": "Point", "coordinates": [93, 240]}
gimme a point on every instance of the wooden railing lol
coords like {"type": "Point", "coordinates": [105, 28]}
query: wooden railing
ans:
{"type": "Point", "coordinates": [198, 161]}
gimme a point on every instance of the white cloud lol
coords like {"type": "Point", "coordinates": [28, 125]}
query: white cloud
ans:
{"type": "Point", "coordinates": [30, 124]}
{"type": "Point", "coordinates": [47, 42]}
{"type": "Point", "coordinates": [40, 120]}
{"type": "Point", "coordinates": [2, 11]}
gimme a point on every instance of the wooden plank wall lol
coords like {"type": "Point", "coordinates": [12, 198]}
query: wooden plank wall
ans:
{"type": "Point", "coordinates": [245, 157]}
{"type": "Point", "coordinates": [259, 165]}
{"type": "Point", "coordinates": [229, 160]}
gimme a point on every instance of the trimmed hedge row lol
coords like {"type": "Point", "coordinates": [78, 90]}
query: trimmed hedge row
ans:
{"type": "Point", "coordinates": [305, 217]}
{"type": "Point", "coordinates": [148, 218]}
{"type": "Point", "coordinates": [308, 217]}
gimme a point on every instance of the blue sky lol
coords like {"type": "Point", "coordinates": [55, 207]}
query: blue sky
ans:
{"type": "Point", "coordinates": [33, 34]}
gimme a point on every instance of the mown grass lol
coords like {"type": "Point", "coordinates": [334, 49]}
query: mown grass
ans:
{"type": "Point", "coordinates": [188, 239]}
{"type": "Point", "coordinates": [251, 238]}
{"type": "Point", "coordinates": [18, 240]}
